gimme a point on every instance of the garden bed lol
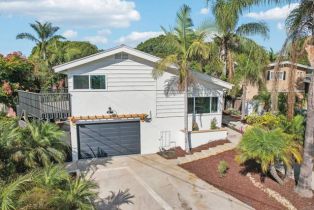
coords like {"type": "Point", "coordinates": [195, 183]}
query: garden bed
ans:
{"type": "Point", "coordinates": [210, 145]}
{"type": "Point", "coordinates": [176, 152]}
{"type": "Point", "coordinates": [172, 153]}
{"type": "Point", "coordinates": [237, 184]}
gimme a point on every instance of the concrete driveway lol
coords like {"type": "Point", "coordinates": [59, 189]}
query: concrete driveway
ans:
{"type": "Point", "coordinates": [156, 184]}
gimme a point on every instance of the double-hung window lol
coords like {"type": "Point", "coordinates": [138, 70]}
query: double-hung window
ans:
{"type": "Point", "coordinates": [201, 105]}
{"type": "Point", "coordinates": [87, 82]}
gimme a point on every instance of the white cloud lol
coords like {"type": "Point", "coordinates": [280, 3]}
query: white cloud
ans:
{"type": "Point", "coordinates": [204, 11]}
{"type": "Point", "coordinates": [69, 34]}
{"type": "Point", "coordinates": [277, 13]}
{"type": "Point", "coordinates": [135, 37]}
{"type": "Point", "coordinates": [280, 26]}
{"type": "Point", "coordinates": [77, 13]}
{"type": "Point", "coordinates": [99, 38]}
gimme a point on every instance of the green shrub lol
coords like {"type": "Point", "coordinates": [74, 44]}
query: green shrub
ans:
{"type": "Point", "coordinates": [267, 120]}
{"type": "Point", "coordinates": [234, 111]}
{"type": "Point", "coordinates": [222, 168]}
{"type": "Point", "coordinates": [268, 147]}
{"type": "Point", "coordinates": [213, 124]}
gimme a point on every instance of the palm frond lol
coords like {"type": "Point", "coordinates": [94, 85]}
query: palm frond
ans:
{"type": "Point", "coordinates": [164, 64]}
{"type": "Point", "coordinates": [27, 36]}
{"type": "Point", "coordinates": [257, 28]}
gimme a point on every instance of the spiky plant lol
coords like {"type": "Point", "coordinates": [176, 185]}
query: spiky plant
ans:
{"type": "Point", "coordinates": [42, 144]}
{"type": "Point", "coordinates": [268, 147]}
{"type": "Point", "coordinates": [79, 193]}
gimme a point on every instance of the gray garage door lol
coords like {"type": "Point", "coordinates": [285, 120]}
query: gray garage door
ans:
{"type": "Point", "coordinates": [109, 138]}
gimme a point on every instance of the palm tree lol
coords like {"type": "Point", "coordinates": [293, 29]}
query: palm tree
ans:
{"type": "Point", "coordinates": [299, 24]}
{"type": "Point", "coordinates": [267, 147]}
{"type": "Point", "coordinates": [79, 193]}
{"type": "Point", "coordinates": [250, 68]}
{"type": "Point", "coordinates": [45, 33]}
{"type": "Point", "coordinates": [10, 192]}
{"type": "Point", "coordinates": [41, 144]}
{"type": "Point", "coordinates": [187, 43]}
{"type": "Point", "coordinates": [226, 13]}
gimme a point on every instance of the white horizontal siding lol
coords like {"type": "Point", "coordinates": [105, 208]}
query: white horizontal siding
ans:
{"type": "Point", "coordinates": [169, 105]}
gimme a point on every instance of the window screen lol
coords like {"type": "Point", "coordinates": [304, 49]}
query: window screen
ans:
{"type": "Point", "coordinates": [81, 82]}
{"type": "Point", "coordinates": [98, 81]}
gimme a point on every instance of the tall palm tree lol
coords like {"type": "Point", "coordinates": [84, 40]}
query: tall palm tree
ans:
{"type": "Point", "coordinates": [187, 44]}
{"type": "Point", "coordinates": [250, 68]}
{"type": "Point", "coordinates": [227, 13]}
{"type": "Point", "coordinates": [299, 24]}
{"type": "Point", "coordinates": [44, 34]}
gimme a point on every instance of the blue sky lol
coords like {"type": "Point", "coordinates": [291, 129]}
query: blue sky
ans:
{"type": "Point", "coordinates": [107, 23]}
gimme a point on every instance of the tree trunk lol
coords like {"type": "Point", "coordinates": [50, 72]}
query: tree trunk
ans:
{"type": "Point", "coordinates": [305, 179]}
{"type": "Point", "coordinates": [230, 65]}
{"type": "Point", "coordinates": [186, 131]}
{"type": "Point", "coordinates": [274, 91]}
{"type": "Point", "coordinates": [291, 85]}
{"type": "Point", "coordinates": [244, 86]}
{"type": "Point", "coordinates": [274, 174]}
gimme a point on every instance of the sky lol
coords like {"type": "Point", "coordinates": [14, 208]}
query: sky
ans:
{"type": "Point", "coordinates": [107, 23]}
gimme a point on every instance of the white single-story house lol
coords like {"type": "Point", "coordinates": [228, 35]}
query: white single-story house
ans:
{"type": "Point", "coordinates": [118, 107]}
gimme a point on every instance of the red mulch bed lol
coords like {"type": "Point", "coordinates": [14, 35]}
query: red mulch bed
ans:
{"type": "Point", "coordinates": [173, 153]}
{"type": "Point", "coordinates": [210, 145]}
{"type": "Point", "coordinates": [238, 185]}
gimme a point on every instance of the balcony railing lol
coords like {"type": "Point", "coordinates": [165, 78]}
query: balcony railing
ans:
{"type": "Point", "coordinates": [45, 105]}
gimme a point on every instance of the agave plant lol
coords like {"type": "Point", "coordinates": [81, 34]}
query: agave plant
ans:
{"type": "Point", "coordinates": [268, 147]}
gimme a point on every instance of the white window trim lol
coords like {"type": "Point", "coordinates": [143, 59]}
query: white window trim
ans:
{"type": "Point", "coordinates": [89, 83]}
{"type": "Point", "coordinates": [280, 75]}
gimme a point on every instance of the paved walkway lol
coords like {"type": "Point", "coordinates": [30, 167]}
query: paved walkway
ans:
{"type": "Point", "coordinates": [156, 184]}
{"type": "Point", "coordinates": [234, 138]}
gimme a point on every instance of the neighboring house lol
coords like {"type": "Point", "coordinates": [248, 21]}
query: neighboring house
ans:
{"type": "Point", "coordinates": [284, 73]}
{"type": "Point", "coordinates": [116, 106]}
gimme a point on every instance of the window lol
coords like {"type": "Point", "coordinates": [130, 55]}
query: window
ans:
{"type": "Point", "coordinates": [86, 82]}
{"type": "Point", "coordinates": [214, 104]}
{"type": "Point", "coordinates": [281, 75]}
{"type": "Point", "coordinates": [121, 56]}
{"type": "Point", "coordinates": [98, 81]}
{"type": "Point", "coordinates": [81, 82]}
{"type": "Point", "coordinates": [200, 105]}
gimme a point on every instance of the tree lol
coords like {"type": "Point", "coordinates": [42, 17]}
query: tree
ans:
{"type": "Point", "coordinates": [250, 68]}
{"type": "Point", "coordinates": [299, 24]}
{"type": "Point", "coordinates": [187, 44]}
{"type": "Point", "coordinates": [16, 72]}
{"type": "Point", "coordinates": [226, 13]}
{"type": "Point", "coordinates": [155, 46]}
{"type": "Point", "coordinates": [41, 144]}
{"type": "Point", "coordinates": [59, 52]}
{"type": "Point", "coordinates": [267, 147]}
{"type": "Point", "coordinates": [45, 34]}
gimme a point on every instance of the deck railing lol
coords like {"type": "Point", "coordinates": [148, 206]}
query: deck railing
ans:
{"type": "Point", "coordinates": [45, 105]}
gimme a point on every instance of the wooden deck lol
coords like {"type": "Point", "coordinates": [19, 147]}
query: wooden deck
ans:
{"type": "Point", "coordinates": [45, 106]}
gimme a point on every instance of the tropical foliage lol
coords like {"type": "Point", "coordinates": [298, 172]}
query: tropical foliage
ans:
{"type": "Point", "coordinates": [269, 147]}
{"type": "Point", "coordinates": [49, 188]}
{"type": "Point", "coordinates": [15, 73]}
{"type": "Point", "coordinates": [186, 44]}
{"type": "Point", "coordinates": [45, 33]}
{"type": "Point", "coordinates": [230, 34]}
{"type": "Point", "coordinates": [299, 25]}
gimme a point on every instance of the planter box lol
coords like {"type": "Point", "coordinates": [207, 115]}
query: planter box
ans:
{"type": "Point", "coordinates": [201, 137]}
